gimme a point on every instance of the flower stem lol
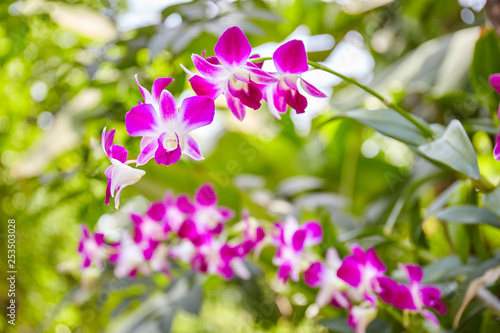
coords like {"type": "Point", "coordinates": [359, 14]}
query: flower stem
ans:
{"type": "Point", "coordinates": [424, 129]}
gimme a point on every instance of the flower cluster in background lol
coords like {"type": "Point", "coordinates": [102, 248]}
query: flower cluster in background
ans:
{"type": "Point", "coordinates": [164, 130]}
{"type": "Point", "coordinates": [194, 232]}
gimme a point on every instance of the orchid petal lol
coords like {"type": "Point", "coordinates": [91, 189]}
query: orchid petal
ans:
{"type": "Point", "coordinates": [349, 272]}
{"type": "Point", "coordinates": [235, 105]}
{"type": "Point", "coordinates": [192, 150]}
{"type": "Point", "coordinates": [260, 76]}
{"type": "Point", "coordinates": [497, 145]}
{"type": "Point", "coordinates": [196, 112]}
{"type": "Point", "coordinates": [206, 195]}
{"type": "Point", "coordinates": [310, 89]}
{"type": "Point", "coordinates": [142, 120]}
{"type": "Point", "coordinates": [430, 317]}
{"type": "Point", "coordinates": [387, 289]}
{"type": "Point", "coordinates": [495, 82]}
{"type": "Point", "coordinates": [118, 153]}
{"type": "Point", "coordinates": [291, 58]}
{"type": "Point", "coordinates": [375, 261]}
{"type": "Point", "coordinates": [414, 273]}
{"type": "Point", "coordinates": [107, 140]}
{"type": "Point", "coordinates": [168, 108]}
{"type": "Point", "coordinates": [146, 95]}
{"type": "Point", "coordinates": [159, 85]}
{"type": "Point", "coordinates": [147, 152]}
{"type": "Point", "coordinates": [296, 101]}
{"type": "Point", "coordinates": [298, 239]}
{"type": "Point", "coordinates": [164, 156]}
{"type": "Point", "coordinates": [233, 49]}
{"type": "Point", "coordinates": [269, 97]}
{"type": "Point", "coordinates": [248, 93]}
{"type": "Point", "coordinates": [314, 233]}
{"type": "Point", "coordinates": [404, 299]}
{"type": "Point", "coordinates": [205, 87]}
{"type": "Point", "coordinates": [207, 69]}
{"type": "Point", "coordinates": [313, 275]}
{"type": "Point", "coordinates": [291, 81]}
{"type": "Point", "coordinates": [157, 211]}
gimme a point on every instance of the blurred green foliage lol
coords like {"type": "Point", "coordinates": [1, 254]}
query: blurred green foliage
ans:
{"type": "Point", "coordinates": [67, 72]}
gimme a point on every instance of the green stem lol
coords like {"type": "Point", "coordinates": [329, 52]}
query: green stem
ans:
{"type": "Point", "coordinates": [424, 129]}
{"type": "Point", "coordinates": [483, 185]}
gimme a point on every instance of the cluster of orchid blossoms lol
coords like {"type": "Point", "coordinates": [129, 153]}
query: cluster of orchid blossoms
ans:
{"type": "Point", "coordinates": [164, 130]}
{"type": "Point", "coordinates": [195, 233]}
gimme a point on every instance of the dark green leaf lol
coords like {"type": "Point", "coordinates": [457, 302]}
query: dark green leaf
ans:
{"type": "Point", "coordinates": [455, 150]}
{"type": "Point", "coordinates": [390, 123]}
{"type": "Point", "coordinates": [468, 214]}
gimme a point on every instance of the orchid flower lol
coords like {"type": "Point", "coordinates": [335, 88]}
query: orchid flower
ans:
{"type": "Point", "coordinates": [324, 276]}
{"type": "Point", "coordinates": [252, 233]}
{"type": "Point", "coordinates": [164, 130]}
{"type": "Point", "coordinates": [415, 297]}
{"type": "Point", "coordinates": [290, 60]}
{"type": "Point", "coordinates": [365, 271]}
{"type": "Point", "coordinates": [231, 74]}
{"type": "Point", "coordinates": [207, 215]}
{"type": "Point", "coordinates": [119, 174]}
{"type": "Point", "coordinates": [291, 242]}
{"type": "Point", "coordinates": [149, 231]}
{"type": "Point", "coordinates": [92, 248]}
{"type": "Point", "coordinates": [129, 259]}
{"type": "Point", "coordinates": [495, 83]}
{"type": "Point", "coordinates": [214, 256]}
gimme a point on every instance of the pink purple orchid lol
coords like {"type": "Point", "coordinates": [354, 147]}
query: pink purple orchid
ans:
{"type": "Point", "coordinates": [230, 73]}
{"type": "Point", "coordinates": [290, 60]}
{"type": "Point", "coordinates": [91, 248]}
{"type": "Point", "coordinates": [194, 232]}
{"type": "Point", "coordinates": [119, 173]}
{"type": "Point", "coordinates": [292, 242]}
{"type": "Point", "coordinates": [321, 275]}
{"type": "Point", "coordinates": [164, 130]}
{"type": "Point", "coordinates": [416, 298]}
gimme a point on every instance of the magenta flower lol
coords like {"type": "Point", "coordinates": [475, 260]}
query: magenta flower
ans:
{"type": "Point", "coordinates": [164, 130]}
{"type": "Point", "coordinates": [149, 230]}
{"type": "Point", "coordinates": [206, 215]}
{"type": "Point", "coordinates": [292, 241]}
{"type": "Point", "coordinates": [91, 248]}
{"type": "Point", "coordinates": [415, 297]}
{"type": "Point", "coordinates": [324, 276]}
{"type": "Point", "coordinates": [252, 234]}
{"type": "Point", "coordinates": [231, 74]}
{"type": "Point", "coordinates": [290, 60]}
{"type": "Point", "coordinates": [495, 83]}
{"type": "Point", "coordinates": [365, 271]}
{"type": "Point", "coordinates": [119, 174]}
{"type": "Point", "coordinates": [128, 258]}
{"type": "Point", "coordinates": [213, 256]}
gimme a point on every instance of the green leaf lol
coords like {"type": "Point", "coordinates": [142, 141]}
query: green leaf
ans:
{"type": "Point", "coordinates": [484, 64]}
{"type": "Point", "coordinates": [468, 214]}
{"type": "Point", "coordinates": [453, 149]}
{"type": "Point", "coordinates": [390, 123]}
{"type": "Point", "coordinates": [460, 240]}
{"type": "Point", "coordinates": [491, 200]}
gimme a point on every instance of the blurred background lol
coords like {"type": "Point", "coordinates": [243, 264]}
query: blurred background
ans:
{"type": "Point", "coordinates": [67, 70]}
